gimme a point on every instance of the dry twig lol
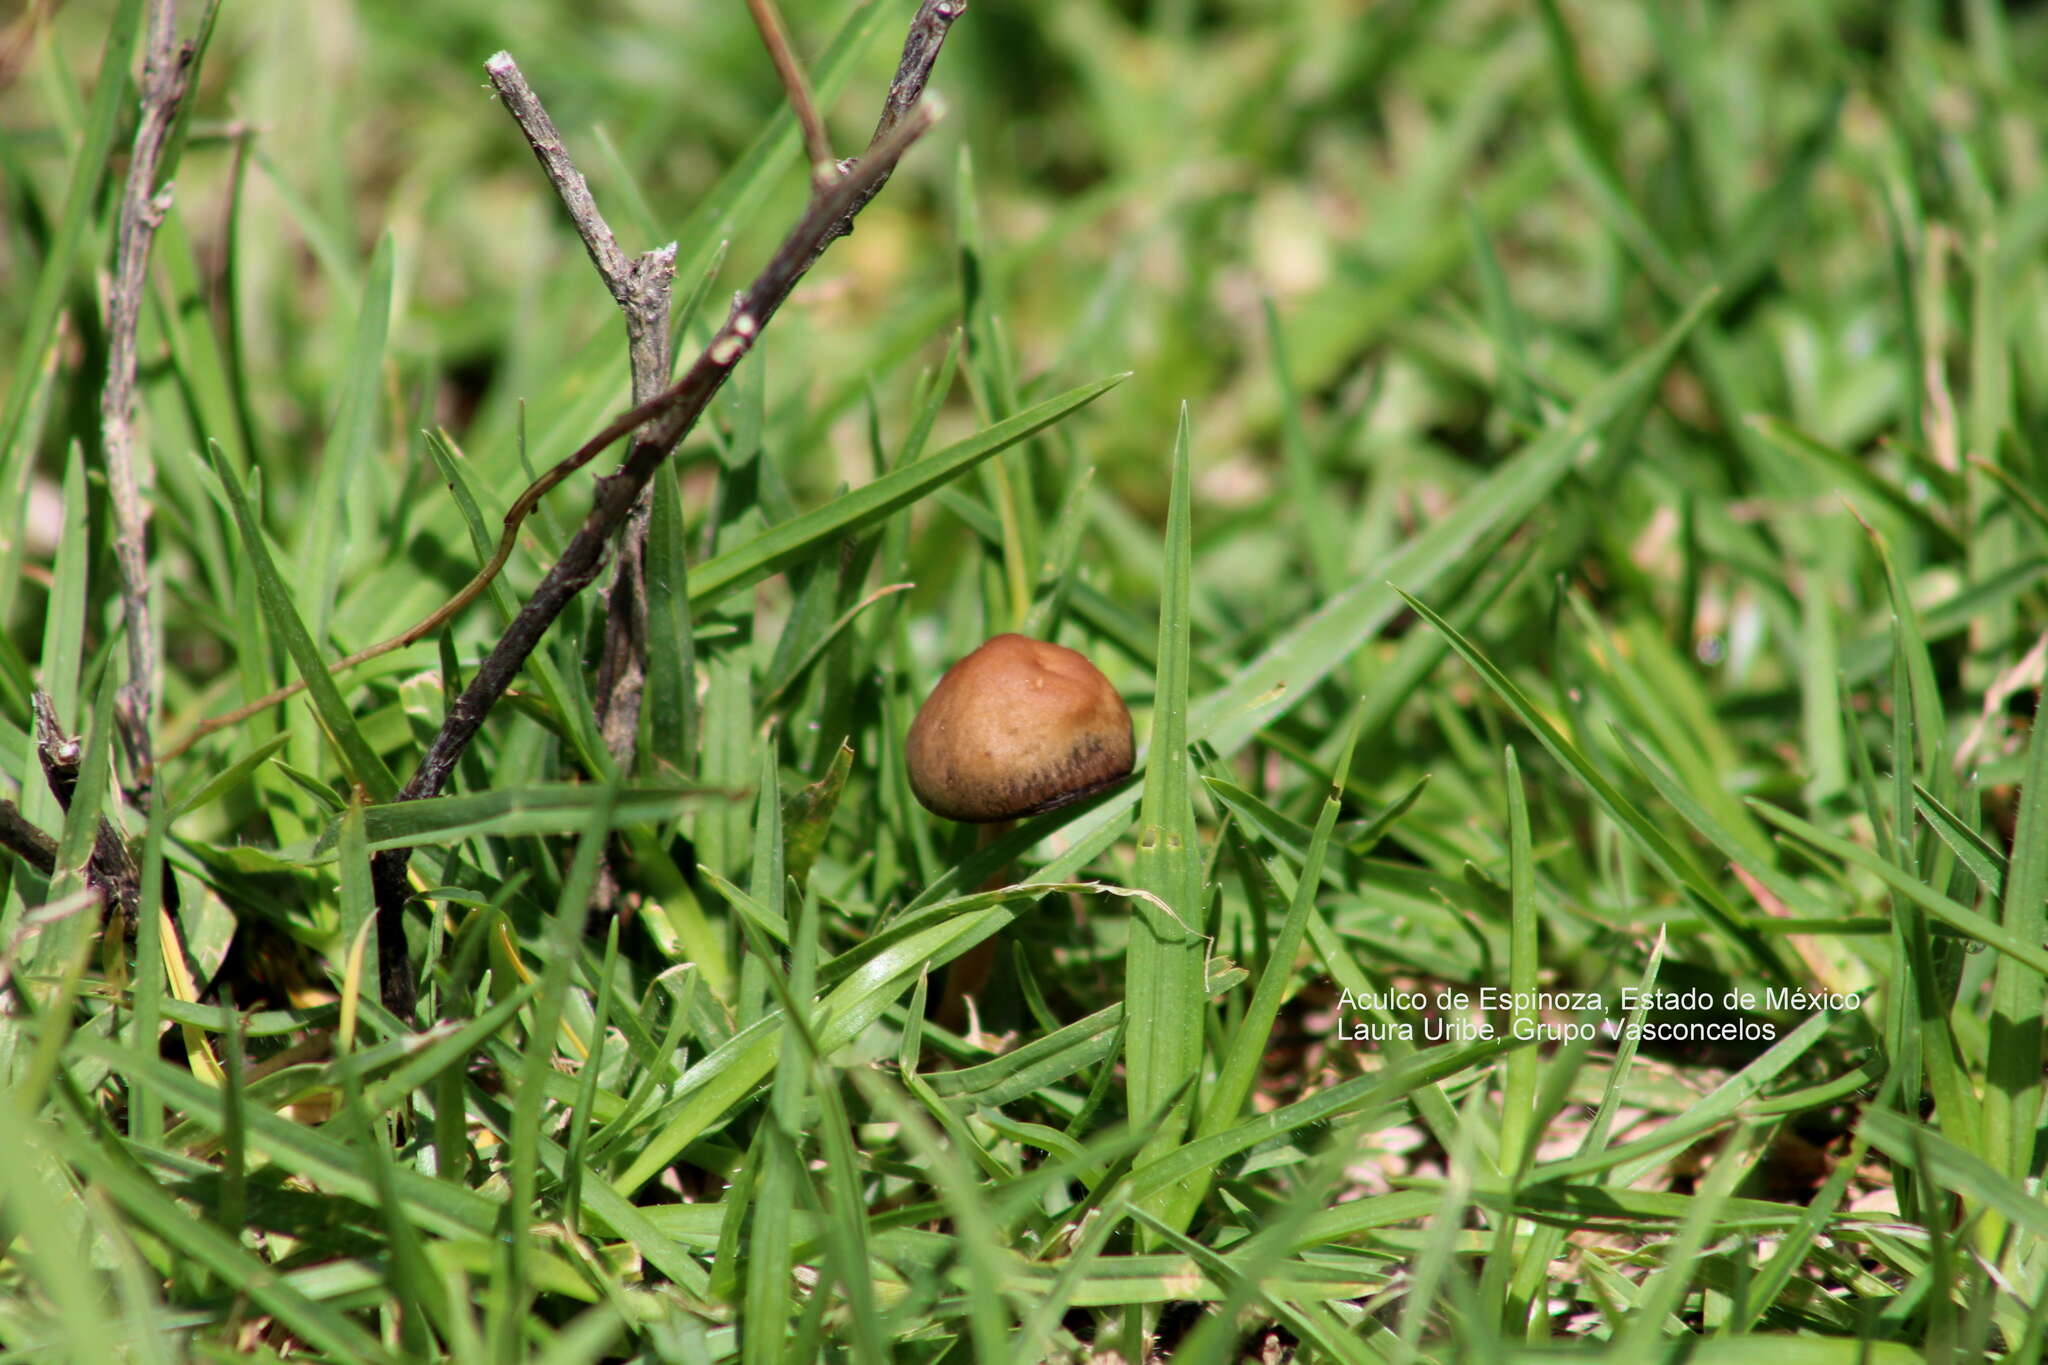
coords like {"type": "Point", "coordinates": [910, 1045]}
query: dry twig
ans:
{"type": "Point", "coordinates": [21, 838]}
{"type": "Point", "coordinates": [667, 418]}
{"type": "Point", "coordinates": [166, 69]}
{"type": "Point", "coordinates": [622, 657]}
{"type": "Point", "coordinates": [817, 144]}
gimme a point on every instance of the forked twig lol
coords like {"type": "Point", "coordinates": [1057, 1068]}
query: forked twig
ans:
{"type": "Point", "coordinates": [667, 418]}
{"type": "Point", "coordinates": [639, 284]}
{"type": "Point", "coordinates": [920, 51]}
{"type": "Point", "coordinates": [641, 287]}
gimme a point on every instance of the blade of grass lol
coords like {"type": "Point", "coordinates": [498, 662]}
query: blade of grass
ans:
{"type": "Point", "coordinates": [1666, 1290]}
{"type": "Point", "coordinates": [763, 1339]}
{"type": "Point", "coordinates": [1511, 366]}
{"type": "Point", "coordinates": [1669, 858]}
{"type": "Point", "coordinates": [1364, 1092]}
{"type": "Point", "coordinates": [847, 1223]}
{"type": "Point", "coordinates": [586, 1096]}
{"type": "Point", "coordinates": [320, 1324]}
{"type": "Point", "coordinates": [1984, 861]}
{"type": "Point", "coordinates": [730, 1072]}
{"type": "Point", "coordinates": [420, 1293]}
{"type": "Point", "coordinates": [2012, 1096]}
{"type": "Point", "coordinates": [358, 759]}
{"type": "Point", "coordinates": [1959, 917]}
{"type": "Point", "coordinates": [75, 220]}
{"type": "Point", "coordinates": [1518, 1091]}
{"type": "Point", "coordinates": [1954, 1167]}
{"type": "Point", "coordinates": [509, 812]}
{"type": "Point", "coordinates": [324, 543]}
{"type": "Point", "coordinates": [671, 703]}
{"type": "Point", "coordinates": [63, 658]}
{"type": "Point", "coordinates": [1288, 670]}
{"type": "Point", "coordinates": [990, 1312]}
{"type": "Point", "coordinates": [808, 534]}
{"type": "Point", "coordinates": [1163, 972]}
{"type": "Point", "coordinates": [1526, 1300]}
{"type": "Point", "coordinates": [145, 1114]}
{"type": "Point", "coordinates": [44, 1229]}
{"type": "Point", "coordinates": [564, 942]}
{"type": "Point", "coordinates": [1233, 1085]}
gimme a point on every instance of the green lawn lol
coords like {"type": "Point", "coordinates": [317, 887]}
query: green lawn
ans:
{"type": "Point", "coordinates": [1561, 487]}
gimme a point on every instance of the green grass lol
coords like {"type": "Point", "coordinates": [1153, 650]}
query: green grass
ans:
{"type": "Point", "coordinates": [1561, 488]}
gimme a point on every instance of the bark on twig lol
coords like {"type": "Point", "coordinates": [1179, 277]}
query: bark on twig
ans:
{"type": "Point", "coordinates": [110, 869]}
{"type": "Point", "coordinates": [25, 841]}
{"type": "Point", "coordinates": [639, 284]}
{"type": "Point", "coordinates": [166, 68]}
{"type": "Point", "coordinates": [667, 419]}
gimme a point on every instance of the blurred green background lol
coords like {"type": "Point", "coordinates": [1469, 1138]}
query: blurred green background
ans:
{"type": "Point", "coordinates": [1382, 251]}
{"type": "Point", "coordinates": [1145, 177]}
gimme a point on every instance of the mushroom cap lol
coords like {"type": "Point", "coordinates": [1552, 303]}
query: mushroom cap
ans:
{"type": "Point", "coordinates": [1017, 727]}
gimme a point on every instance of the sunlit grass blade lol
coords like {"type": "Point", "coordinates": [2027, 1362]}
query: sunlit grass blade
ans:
{"type": "Point", "coordinates": [1163, 970]}
{"type": "Point", "coordinates": [1840, 466]}
{"type": "Point", "coordinates": [564, 943]}
{"type": "Point", "coordinates": [1270, 684]}
{"type": "Point", "coordinates": [63, 655]}
{"type": "Point", "coordinates": [1955, 1168]}
{"type": "Point", "coordinates": [990, 1315]}
{"type": "Point", "coordinates": [1232, 1087]}
{"type": "Point", "coordinates": [2012, 1098]}
{"type": "Point", "coordinates": [1518, 1093]}
{"type": "Point", "coordinates": [1961, 918]}
{"type": "Point", "coordinates": [1397, 1080]}
{"type": "Point", "coordinates": [1504, 320]}
{"type": "Point", "coordinates": [419, 1290]}
{"type": "Point", "coordinates": [76, 218]}
{"type": "Point", "coordinates": [806, 535]}
{"type": "Point", "coordinates": [506, 812]}
{"type": "Point", "coordinates": [770, 1253]}
{"type": "Point", "coordinates": [856, 998]}
{"type": "Point", "coordinates": [1667, 1288]}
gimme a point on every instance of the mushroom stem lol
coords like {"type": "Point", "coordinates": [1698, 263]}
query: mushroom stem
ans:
{"type": "Point", "coordinates": [969, 972]}
{"type": "Point", "coordinates": [1016, 728]}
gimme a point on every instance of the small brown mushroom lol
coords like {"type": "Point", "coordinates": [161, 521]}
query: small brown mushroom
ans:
{"type": "Point", "coordinates": [1017, 727]}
